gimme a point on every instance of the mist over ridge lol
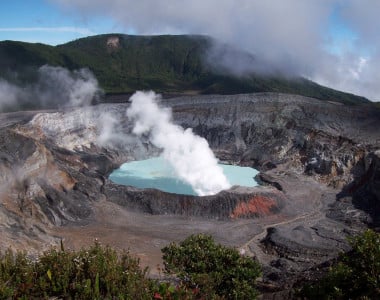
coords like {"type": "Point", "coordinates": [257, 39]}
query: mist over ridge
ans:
{"type": "Point", "coordinates": [244, 89]}
{"type": "Point", "coordinates": [53, 87]}
{"type": "Point", "coordinates": [168, 64]}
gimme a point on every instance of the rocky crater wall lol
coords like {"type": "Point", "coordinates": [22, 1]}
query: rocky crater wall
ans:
{"type": "Point", "coordinates": [320, 138]}
{"type": "Point", "coordinates": [64, 157]}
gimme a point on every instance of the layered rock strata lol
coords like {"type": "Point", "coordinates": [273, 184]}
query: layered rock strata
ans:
{"type": "Point", "coordinates": [319, 163]}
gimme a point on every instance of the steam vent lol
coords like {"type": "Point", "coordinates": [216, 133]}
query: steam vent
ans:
{"type": "Point", "coordinates": [317, 161]}
{"type": "Point", "coordinates": [259, 134]}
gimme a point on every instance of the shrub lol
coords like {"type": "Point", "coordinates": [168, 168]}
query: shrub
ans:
{"type": "Point", "coordinates": [355, 276]}
{"type": "Point", "coordinates": [96, 273]}
{"type": "Point", "coordinates": [206, 271]}
{"type": "Point", "coordinates": [215, 270]}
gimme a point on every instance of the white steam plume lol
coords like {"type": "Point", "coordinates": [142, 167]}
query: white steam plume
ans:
{"type": "Point", "coordinates": [189, 154]}
{"type": "Point", "coordinates": [112, 133]}
{"type": "Point", "coordinates": [54, 87]}
{"type": "Point", "coordinates": [319, 39]}
{"type": "Point", "coordinates": [9, 94]}
{"type": "Point", "coordinates": [78, 87]}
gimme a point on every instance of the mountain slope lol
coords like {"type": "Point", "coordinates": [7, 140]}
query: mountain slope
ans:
{"type": "Point", "coordinates": [167, 64]}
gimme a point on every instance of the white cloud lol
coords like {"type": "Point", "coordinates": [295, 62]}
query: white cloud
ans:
{"type": "Point", "coordinates": [79, 30]}
{"type": "Point", "coordinates": [55, 87]}
{"type": "Point", "coordinates": [291, 34]}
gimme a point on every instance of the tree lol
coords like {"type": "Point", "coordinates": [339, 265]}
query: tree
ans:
{"type": "Point", "coordinates": [215, 270]}
{"type": "Point", "coordinates": [355, 276]}
{"type": "Point", "coordinates": [95, 273]}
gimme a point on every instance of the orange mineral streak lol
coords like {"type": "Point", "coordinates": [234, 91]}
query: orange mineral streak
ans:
{"type": "Point", "coordinates": [258, 205]}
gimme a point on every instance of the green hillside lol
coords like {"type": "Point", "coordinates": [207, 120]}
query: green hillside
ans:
{"type": "Point", "coordinates": [166, 64]}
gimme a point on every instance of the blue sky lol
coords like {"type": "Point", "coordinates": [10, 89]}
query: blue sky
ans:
{"type": "Point", "coordinates": [342, 36]}
{"type": "Point", "coordinates": [333, 42]}
{"type": "Point", "coordinates": [44, 22]}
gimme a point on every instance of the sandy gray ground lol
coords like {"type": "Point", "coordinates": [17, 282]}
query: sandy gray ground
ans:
{"type": "Point", "coordinates": [145, 234]}
{"type": "Point", "coordinates": [304, 138]}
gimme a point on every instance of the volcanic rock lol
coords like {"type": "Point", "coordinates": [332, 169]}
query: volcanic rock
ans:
{"type": "Point", "coordinates": [237, 202]}
{"type": "Point", "coordinates": [319, 162]}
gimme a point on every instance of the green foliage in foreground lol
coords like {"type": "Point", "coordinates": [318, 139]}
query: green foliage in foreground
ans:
{"type": "Point", "coordinates": [96, 273]}
{"type": "Point", "coordinates": [205, 270]}
{"type": "Point", "coordinates": [355, 276]}
{"type": "Point", "coordinates": [216, 270]}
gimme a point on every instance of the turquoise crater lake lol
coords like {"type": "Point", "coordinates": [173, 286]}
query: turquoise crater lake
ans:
{"type": "Point", "coordinates": [157, 173]}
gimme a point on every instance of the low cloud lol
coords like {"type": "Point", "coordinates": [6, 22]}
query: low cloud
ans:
{"type": "Point", "coordinates": [54, 87]}
{"type": "Point", "coordinates": [9, 94]}
{"type": "Point", "coordinates": [292, 36]}
{"type": "Point", "coordinates": [79, 30]}
{"type": "Point", "coordinates": [66, 88]}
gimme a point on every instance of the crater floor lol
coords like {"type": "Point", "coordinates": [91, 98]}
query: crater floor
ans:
{"type": "Point", "coordinates": [319, 168]}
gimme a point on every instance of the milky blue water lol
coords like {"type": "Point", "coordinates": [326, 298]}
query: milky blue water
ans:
{"type": "Point", "coordinates": [157, 173]}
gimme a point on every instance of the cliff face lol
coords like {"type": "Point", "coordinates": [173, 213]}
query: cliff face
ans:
{"type": "Point", "coordinates": [320, 161]}
{"type": "Point", "coordinates": [39, 189]}
{"type": "Point", "coordinates": [365, 188]}
{"type": "Point", "coordinates": [322, 139]}
{"type": "Point", "coordinates": [61, 151]}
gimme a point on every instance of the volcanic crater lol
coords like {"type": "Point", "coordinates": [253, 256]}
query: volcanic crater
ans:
{"type": "Point", "coordinates": [319, 177]}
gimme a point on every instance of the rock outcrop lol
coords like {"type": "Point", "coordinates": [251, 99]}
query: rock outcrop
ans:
{"type": "Point", "coordinates": [365, 188]}
{"type": "Point", "coordinates": [237, 202]}
{"type": "Point", "coordinates": [320, 138]}
{"type": "Point", "coordinates": [319, 163]}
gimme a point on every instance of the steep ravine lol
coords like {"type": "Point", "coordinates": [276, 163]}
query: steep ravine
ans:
{"type": "Point", "coordinates": [319, 162]}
